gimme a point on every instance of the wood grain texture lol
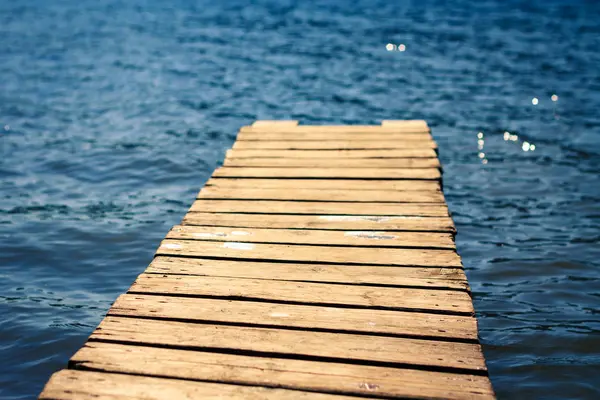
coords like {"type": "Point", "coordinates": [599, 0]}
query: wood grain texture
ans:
{"type": "Point", "coordinates": [379, 322]}
{"type": "Point", "coordinates": [373, 173]}
{"type": "Point", "coordinates": [450, 278]}
{"type": "Point", "coordinates": [334, 145]}
{"type": "Point", "coordinates": [337, 154]}
{"type": "Point", "coordinates": [434, 240]}
{"type": "Point", "coordinates": [264, 135]}
{"type": "Point", "coordinates": [404, 124]}
{"type": "Point", "coordinates": [303, 253]}
{"type": "Point", "coordinates": [345, 184]}
{"type": "Point", "coordinates": [274, 124]}
{"type": "Point", "coordinates": [386, 126]}
{"type": "Point", "coordinates": [88, 385]}
{"type": "Point", "coordinates": [318, 262]}
{"type": "Point", "coordinates": [314, 376]}
{"type": "Point", "coordinates": [319, 207]}
{"type": "Point", "coordinates": [359, 348]}
{"type": "Point", "coordinates": [391, 298]}
{"type": "Point", "coordinates": [327, 195]}
{"type": "Point", "coordinates": [329, 222]}
{"type": "Point", "coordinates": [333, 163]}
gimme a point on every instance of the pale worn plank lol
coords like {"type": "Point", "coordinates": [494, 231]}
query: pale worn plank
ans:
{"type": "Point", "coordinates": [315, 376]}
{"type": "Point", "coordinates": [449, 278]}
{"type": "Point", "coordinates": [274, 124]}
{"type": "Point", "coordinates": [303, 253]}
{"type": "Point", "coordinates": [334, 163]}
{"type": "Point", "coordinates": [348, 184]}
{"type": "Point", "coordinates": [329, 222]}
{"type": "Point", "coordinates": [263, 135]}
{"type": "Point", "coordinates": [333, 145]}
{"type": "Point", "coordinates": [386, 126]}
{"type": "Point", "coordinates": [437, 240]}
{"type": "Point", "coordinates": [338, 154]}
{"type": "Point", "coordinates": [392, 298]}
{"type": "Point", "coordinates": [88, 385]}
{"type": "Point", "coordinates": [355, 196]}
{"type": "Point", "coordinates": [360, 348]}
{"type": "Point", "coordinates": [318, 207]}
{"type": "Point", "coordinates": [380, 322]}
{"type": "Point", "coordinates": [374, 173]}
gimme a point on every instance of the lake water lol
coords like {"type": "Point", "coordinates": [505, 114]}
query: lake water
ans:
{"type": "Point", "coordinates": [114, 113]}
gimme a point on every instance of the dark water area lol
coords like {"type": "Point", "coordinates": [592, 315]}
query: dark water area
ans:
{"type": "Point", "coordinates": [114, 113]}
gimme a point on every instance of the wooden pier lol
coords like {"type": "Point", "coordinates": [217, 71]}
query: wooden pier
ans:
{"type": "Point", "coordinates": [318, 262]}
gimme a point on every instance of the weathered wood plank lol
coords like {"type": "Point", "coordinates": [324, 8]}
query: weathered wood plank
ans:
{"type": "Point", "coordinates": [404, 124]}
{"type": "Point", "coordinates": [326, 195]}
{"type": "Point", "coordinates": [303, 253]}
{"type": "Point", "coordinates": [262, 371]}
{"type": "Point", "coordinates": [338, 154]}
{"type": "Point", "coordinates": [308, 207]}
{"type": "Point", "coordinates": [386, 126]}
{"type": "Point", "coordinates": [359, 348]}
{"type": "Point", "coordinates": [373, 173]}
{"type": "Point", "coordinates": [329, 222]}
{"type": "Point", "coordinates": [392, 298]}
{"type": "Point", "coordinates": [349, 184]}
{"type": "Point", "coordinates": [267, 125]}
{"type": "Point", "coordinates": [262, 135]}
{"type": "Point", "coordinates": [88, 385]}
{"type": "Point", "coordinates": [449, 278]}
{"type": "Point", "coordinates": [437, 240]}
{"type": "Point", "coordinates": [333, 163]}
{"type": "Point", "coordinates": [334, 145]}
{"type": "Point", "coordinates": [380, 322]}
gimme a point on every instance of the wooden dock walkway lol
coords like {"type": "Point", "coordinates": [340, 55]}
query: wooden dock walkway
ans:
{"type": "Point", "coordinates": [318, 262]}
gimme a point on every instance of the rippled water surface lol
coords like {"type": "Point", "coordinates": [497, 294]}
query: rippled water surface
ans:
{"type": "Point", "coordinates": [114, 113]}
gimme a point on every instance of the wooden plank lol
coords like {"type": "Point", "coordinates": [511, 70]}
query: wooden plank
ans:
{"type": "Point", "coordinates": [391, 298]}
{"type": "Point", "coordinates": [433, 240]}
{"type": "Point", "coordinates": [88, 385]}
{"type": "Point", "coordinates": [359, 348]}
{"type": "Point", "coordinates": [347, 320]}
{"type": "Point", "coordinates": [338, 154]}
{"type": "Point", "coordinates": [386, 126]}
{"type": "Point", "coordinates": [302, 253]}
{"type": "Point", "coordinates": [263, 135]}
{"type": "Point", "coordinates": [334, 145]}
{"type": "Point", "coordinates": [354, 196]}
{"type": "Point", "coordinates": [330, 222]}
{"type": "Point", "coordinates": [334, 163]}
{"type": "Point", "coordinates": [307, 207]}
{"type": "Point", "coordinates": [313, 376]}
{"type": "Point", "coordinates": [372, 173]}
{"type": "Point", "coordinates": [274, 124]}
{"type": "Point", "coordinates": [404, 124]}
{"type": "Point", "coordinates": [448, 278]}
{"type": "Point", "coordinates": [349, 184]}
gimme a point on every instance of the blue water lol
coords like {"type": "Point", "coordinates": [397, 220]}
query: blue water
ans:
{"type": "Point", "coordinates": [114, 113]}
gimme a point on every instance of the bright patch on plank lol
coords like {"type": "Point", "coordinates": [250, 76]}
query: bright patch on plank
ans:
{"type": "Point", "coordinates": [240, 233]}
{"type": "Point", "coordinates": [238, 246]}
{"type": "Point", "coordinates": [369, 235]}
{"type": "Point", "coordinates": [278, 314]}
{"type": "Point", "coordinates": [171, 246]}
{"type": "Point", "coordinates": [209, 234]}
{"type": "Point", "coordinates": [356, 218]}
